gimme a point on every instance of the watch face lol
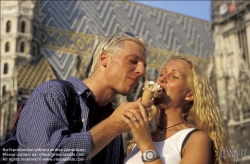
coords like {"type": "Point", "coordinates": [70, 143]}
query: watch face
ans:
{"type": "Point", "coordinates": [150, 155]}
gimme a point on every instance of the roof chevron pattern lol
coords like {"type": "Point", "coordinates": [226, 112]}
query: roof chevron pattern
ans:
{"type": "Point", "coordinates": [162, 29]}
{"type": "Point", "coordinates": [62, 62]}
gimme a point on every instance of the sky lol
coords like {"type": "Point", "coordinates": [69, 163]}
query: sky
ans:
{"type": "Point", "coordinates": [198, 9]}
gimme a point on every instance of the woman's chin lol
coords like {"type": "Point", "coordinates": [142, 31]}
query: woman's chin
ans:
{"type": "Point", "coordinates": [157, 101]}
{"type": "Point", "coordinates": [160, 103]}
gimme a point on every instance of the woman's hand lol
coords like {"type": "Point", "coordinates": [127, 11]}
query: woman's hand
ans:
{"type": "Point", "coordinates": [139, 125]}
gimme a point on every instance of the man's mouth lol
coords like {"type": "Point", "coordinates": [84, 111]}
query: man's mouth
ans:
{"type": "Point", "coordinates": [134, 79]}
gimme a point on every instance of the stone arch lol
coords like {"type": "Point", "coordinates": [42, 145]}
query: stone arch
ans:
{"type": "Point", "coordinates": [4, 90]}
{"type": "Point", "coordinates": [22, 47]}
{"type": "Point", "coordinates": [7, 47]}
{"type": "Point", "coordinates": [23, 26]}
{"type": "Point", "coordinates": [5, 68]}
{"type": "Point", "coordinates": [8, 27]}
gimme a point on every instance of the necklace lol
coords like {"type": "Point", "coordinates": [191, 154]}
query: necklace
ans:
{"type": "Point", "coordinates": [163, 130]}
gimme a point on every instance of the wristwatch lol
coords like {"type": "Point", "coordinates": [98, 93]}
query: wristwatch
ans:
{"type": "Point", "coordinates": [150, 155]}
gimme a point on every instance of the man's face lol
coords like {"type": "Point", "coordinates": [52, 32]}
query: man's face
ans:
{"type": "Point", "coordinates": [123, 72]}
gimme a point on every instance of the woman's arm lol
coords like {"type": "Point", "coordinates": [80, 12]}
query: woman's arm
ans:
{"type": "Point", "coordinates": [140, 130]}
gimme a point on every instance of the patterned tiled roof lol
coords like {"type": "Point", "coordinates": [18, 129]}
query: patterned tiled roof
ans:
{"type": "Point", "coordinates": [71, 30]}
{"type": "Point", "coordinates": [30, 76]}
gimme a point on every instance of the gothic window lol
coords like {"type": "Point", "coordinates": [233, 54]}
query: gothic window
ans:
{"type": "Point", "coordinates": [8, 26]}
{"type": "Point", "coordinates": [5, 69]}
{"type": "Point", "coordinates": [34, 31]}
{"type": "Point", "coordinates": [7, 47]}
{"type": "Point", "coordinates": [4, 91]}
{"type": "Point", "coordinates": [242, 37]}
{"type": "Point", "coordinates": [22, 47]}
{"type": "Point", "coordinates": [23, 27]}
{"type": "Point", "coordinates": [34, 50]}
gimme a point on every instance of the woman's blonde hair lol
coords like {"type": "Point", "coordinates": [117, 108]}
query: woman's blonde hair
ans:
{"type": "Point", "coordinates": [114, 43]}
{"type": "Point", "coordinates": [203, 113]}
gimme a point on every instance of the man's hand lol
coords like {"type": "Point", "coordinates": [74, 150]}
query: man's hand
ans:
{"type": "Point", "coordinates": [108, 129]}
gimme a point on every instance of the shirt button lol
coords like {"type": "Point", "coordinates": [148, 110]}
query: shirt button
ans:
{"type": "Point", "coordinates": [83, 120]}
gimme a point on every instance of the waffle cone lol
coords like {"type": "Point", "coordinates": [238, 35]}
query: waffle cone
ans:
{"type": "Point", "coordinates": [147, 95]}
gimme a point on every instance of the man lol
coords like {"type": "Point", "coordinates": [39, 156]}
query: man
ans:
{"type": "Point", "coordinates": [118, 64]}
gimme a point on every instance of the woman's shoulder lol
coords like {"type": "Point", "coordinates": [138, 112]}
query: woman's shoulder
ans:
{"type": "Point", "coordinates": [197, 139]}
{"type": "Point", "coordinates": [200, 135]}
{"type": "Point", "coordinates": [198, 147]}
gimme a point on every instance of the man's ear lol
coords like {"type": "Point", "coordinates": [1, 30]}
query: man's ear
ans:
{"type": "Point", "coordinates": [189, 97]}
{"type": "Point", "coordinates": [103, 59]}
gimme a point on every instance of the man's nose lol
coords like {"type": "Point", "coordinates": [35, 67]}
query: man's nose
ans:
{"type": "Point", "coordinates": [140, 70]}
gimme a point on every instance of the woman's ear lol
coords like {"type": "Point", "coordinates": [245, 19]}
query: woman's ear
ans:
{"type": "Point", "coordinates": [103, 59]}
{"type": "Point", "coordinates": [189, 97]}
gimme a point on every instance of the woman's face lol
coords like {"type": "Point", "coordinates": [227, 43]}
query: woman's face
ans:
{"type": "Point", "coordinates": [173, 80]}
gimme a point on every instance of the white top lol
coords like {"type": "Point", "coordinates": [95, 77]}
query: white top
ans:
{"type": "Point", "coordinates": [169, 149]}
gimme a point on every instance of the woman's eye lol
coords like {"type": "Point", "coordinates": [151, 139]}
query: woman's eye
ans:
{"type": "Point", "coordinates": [175, 77]}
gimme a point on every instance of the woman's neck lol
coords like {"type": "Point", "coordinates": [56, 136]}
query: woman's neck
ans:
{"type": "Point", "coordinates": [169, 117]}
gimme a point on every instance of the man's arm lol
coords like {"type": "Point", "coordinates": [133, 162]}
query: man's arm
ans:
{"type": "Point", "coordinates": [108, 129]}
{"type": "Point", "coordinates": [43, 124]}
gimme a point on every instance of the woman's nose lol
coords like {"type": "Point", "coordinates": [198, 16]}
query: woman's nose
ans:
{"type": "Point", "coordinates": [162, 79]}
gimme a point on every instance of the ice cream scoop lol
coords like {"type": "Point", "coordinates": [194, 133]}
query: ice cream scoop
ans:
{"type": "Point", "coordinates": [151, 90]}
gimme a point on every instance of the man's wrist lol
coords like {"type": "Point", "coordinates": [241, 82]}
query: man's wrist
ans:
{"type": "Point", "coordinates": [112, 127]}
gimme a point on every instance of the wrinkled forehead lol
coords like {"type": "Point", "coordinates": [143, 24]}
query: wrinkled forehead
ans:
{"type": "Point", "coordinates": [135, 48]}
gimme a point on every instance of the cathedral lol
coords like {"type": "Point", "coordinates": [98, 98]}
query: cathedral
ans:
{"type": "Point", "coordinates": [231, 35]}
{"type": "Point", "coordinates": [44, 40]}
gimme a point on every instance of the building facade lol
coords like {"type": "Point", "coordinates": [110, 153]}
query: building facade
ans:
{"type": "Point", "coordinates": [17, 38]}
{"type": "Point", "coordinates": [231, 32]}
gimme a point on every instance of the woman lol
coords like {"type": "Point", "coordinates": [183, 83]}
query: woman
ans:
{"type": "Point", "coordinates": [188, 126]}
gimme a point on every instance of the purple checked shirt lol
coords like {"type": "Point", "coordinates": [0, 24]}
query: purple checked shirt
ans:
{"type": "Point", "coordinates": [43, 122]}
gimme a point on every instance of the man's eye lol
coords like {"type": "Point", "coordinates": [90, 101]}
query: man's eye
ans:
{"type": "Point", "coordinates": [132, 61]}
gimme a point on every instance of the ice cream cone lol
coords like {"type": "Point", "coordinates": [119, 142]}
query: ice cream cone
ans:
{"type": "Point", "coordinates": [151, 90]}
{"type": "Point", "coordinates": [147, 95]}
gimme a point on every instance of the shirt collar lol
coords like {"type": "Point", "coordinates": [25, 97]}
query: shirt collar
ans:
{"type": "Point", "coordinates": [80, 87]}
